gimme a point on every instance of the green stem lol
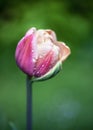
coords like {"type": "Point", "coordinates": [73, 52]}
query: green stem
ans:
{"type": "Point", "coordinates": [29, 103]}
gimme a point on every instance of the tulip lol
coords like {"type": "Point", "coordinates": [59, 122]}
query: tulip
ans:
{"type": "Point", "coordinates": [40, 55]}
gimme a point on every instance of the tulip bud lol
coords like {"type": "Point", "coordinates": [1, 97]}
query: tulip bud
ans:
{"type": "Point", "coordinates": [40, 55]}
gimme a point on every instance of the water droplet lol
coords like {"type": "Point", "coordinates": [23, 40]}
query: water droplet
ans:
{"type": "Point", "coordinates": [40, 56]}
{"type": "Point", "coordinates": [38, 72]}
{"type": "Point", "coordinates": [42, 65]}
{"type": "Point", "coordinates": [34, 68]}
{"type": "Point", "coordinates": [34, 60]}
{"type": "Point", "coordinates": [32, 51]}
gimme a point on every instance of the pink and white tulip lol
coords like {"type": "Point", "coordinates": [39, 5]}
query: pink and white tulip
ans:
{"type": "Point", "coordinates": [39, 54]}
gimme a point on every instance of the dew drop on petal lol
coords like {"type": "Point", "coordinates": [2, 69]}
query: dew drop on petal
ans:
{"type": "Point", "coordinates": [34, 60]}
{"type": "Point", "coordinates": [40, 56]}
{"type": "Point", "coordinates": [38, 72]}
{"type": "Point", "coordinates": [42, 65]}
{"type": "Point", "coordinates": [34, 68]}
{"type": "Point", "coordinates": [32, 51]}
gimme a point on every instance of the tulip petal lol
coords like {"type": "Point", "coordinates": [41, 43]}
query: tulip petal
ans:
{"type": "Point", "coordinates": [52, 34]}
{"type": "Point", "coordinates": [24, 54]}
{"type": "Point", "coordinates": [44, 65]}
{"type": "Point", "coordinates": [52, 72]}
{"type": "Point", "coordinates": [64, 50]}
{"type": "Point", "coordinates": [30, 31]}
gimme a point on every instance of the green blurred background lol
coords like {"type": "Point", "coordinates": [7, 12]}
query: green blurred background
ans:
{"type": "Point", "coordinates": [64, 102]}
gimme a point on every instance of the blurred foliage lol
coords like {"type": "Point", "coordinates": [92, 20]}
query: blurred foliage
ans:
{"type": "Point", "coordinates": [64, 102]}
{"type": "Point", "coordinates": [22, 15]}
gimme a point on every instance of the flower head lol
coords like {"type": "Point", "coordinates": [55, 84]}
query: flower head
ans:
{"type": "Point", "coordinates": [39, 54]}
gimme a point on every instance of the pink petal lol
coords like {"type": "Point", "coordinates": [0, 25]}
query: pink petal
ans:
{"type": "Point", "coordinates": [52, 34]}
{"type": "Point", "coordinates": [64, 50]}
{"type": "Point", "coordinates": [44, 65]}
{"type": "Point", "coordinates": [24, 55]}
{"type": "Point", "coordinates": [30, 31]}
